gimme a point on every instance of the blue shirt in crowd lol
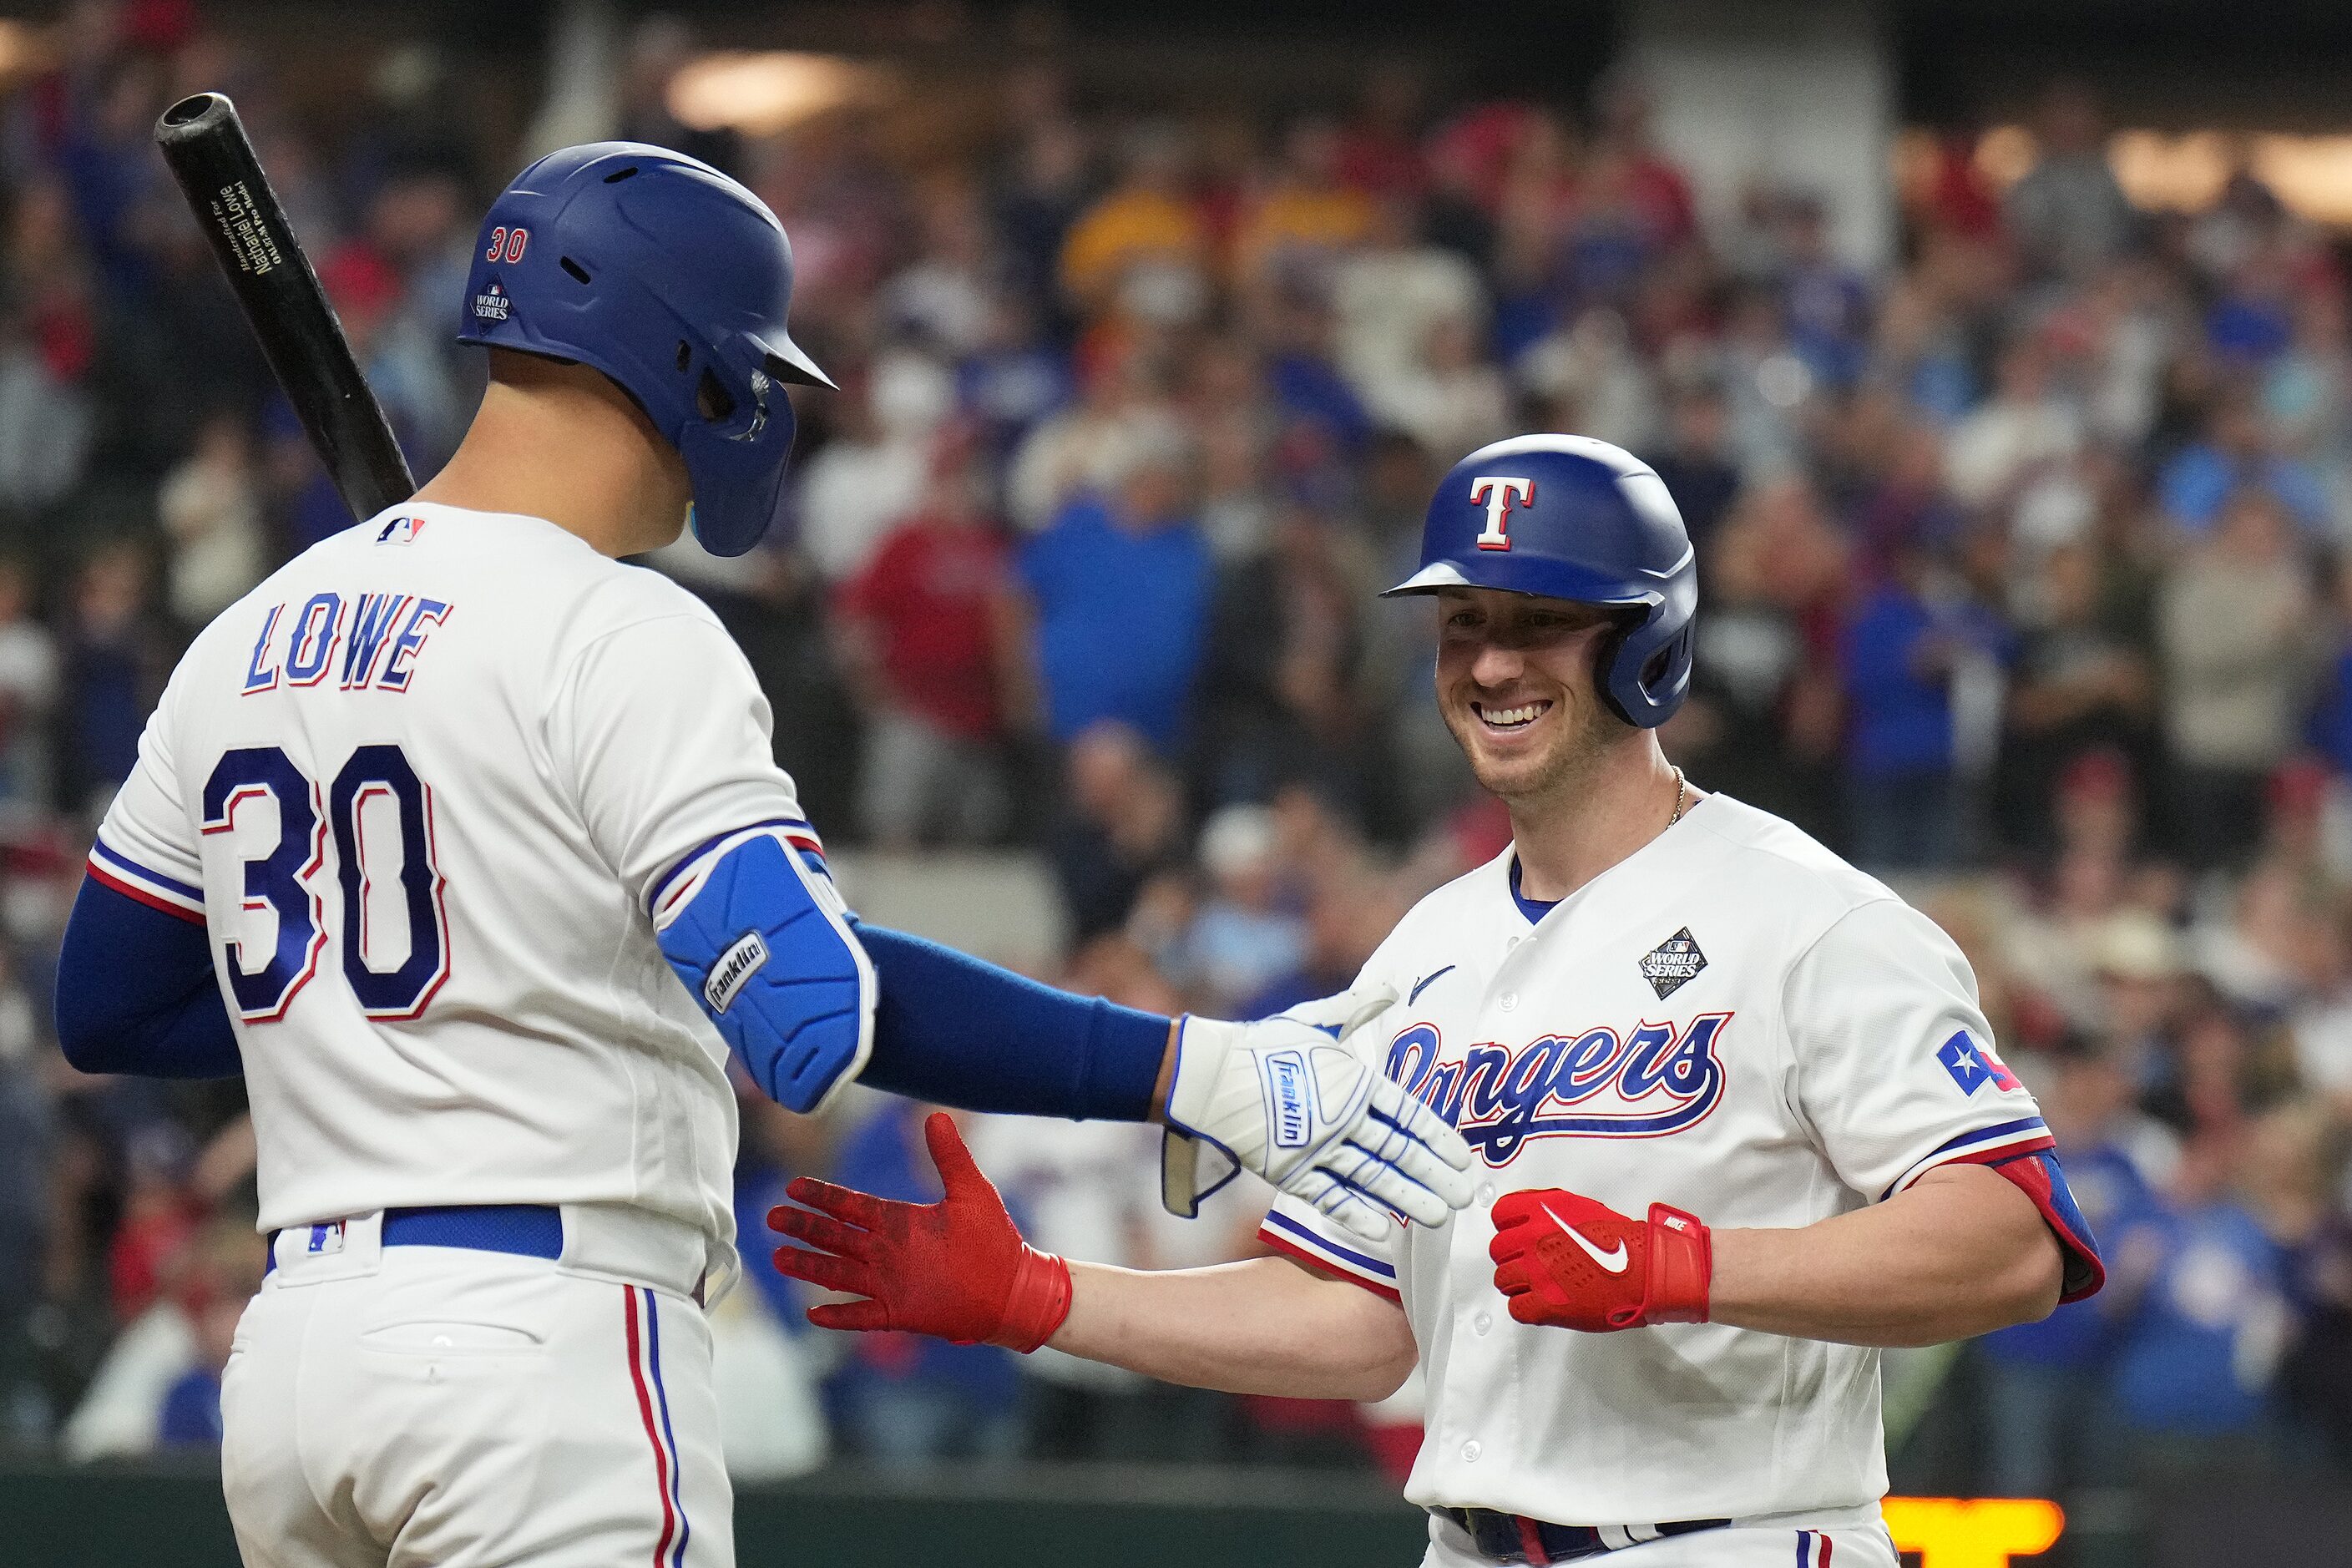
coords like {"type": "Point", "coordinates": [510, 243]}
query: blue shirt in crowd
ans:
{"type": "Point", "coordinates": [1122, 620]}
{"type": "Point", "coordinates": [2195, 1358]}
{"type": "Point", "coordinates": [191, 1417]}
{"type": "Point", "coordinates": [2331, 714]}
{"type": "Point", "coordinates": [2113, 1197]}
{"type": "Point", "coordinates": [2195, 483]}
{"type": "Point", "coordinates": [1901, 720]}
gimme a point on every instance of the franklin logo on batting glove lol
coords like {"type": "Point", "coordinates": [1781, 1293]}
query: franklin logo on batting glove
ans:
{"type": "Point", "coordinates": [1295, 1099]}
{"type": "Point", "coordinates": [1287, 1090]}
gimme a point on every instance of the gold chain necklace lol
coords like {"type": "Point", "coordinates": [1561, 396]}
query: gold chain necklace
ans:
{"type": "Point", "coordinates": [1678, 817]}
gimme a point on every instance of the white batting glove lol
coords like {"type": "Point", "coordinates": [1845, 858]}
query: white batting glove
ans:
{"type": "Point", "coordinates": [1291, 1098]}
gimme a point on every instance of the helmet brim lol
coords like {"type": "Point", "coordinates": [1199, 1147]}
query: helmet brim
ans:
{"type": "Point", "coordinates": [1557, 580]}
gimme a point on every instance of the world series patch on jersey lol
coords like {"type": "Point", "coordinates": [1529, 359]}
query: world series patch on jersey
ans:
{"type": "Point", "coordinates": [1731, 1021]}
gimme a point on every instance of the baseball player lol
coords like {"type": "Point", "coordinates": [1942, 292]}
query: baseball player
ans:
{"type": "Point", "coordinates": [1739, 1120]}
{"type": "Point", "coordinates": [426, 834]}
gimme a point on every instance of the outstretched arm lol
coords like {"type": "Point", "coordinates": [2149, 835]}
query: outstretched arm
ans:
{"type": "Point", "coordinates": [1961, 1252]}
{"type": "Point", "coordinates": [1266, 1325]}
{"type": "Point", "coordinates": [1284, 1097]}
{"type": "Point", "coordinates": [960, 1271]}
{"type": "Point", "coordinates": [1964, 1250]}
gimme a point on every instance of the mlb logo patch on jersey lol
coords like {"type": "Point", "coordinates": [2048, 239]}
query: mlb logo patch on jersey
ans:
{"type": "Point", "coordinates": [1973, 1066]}
{"type": "Point", "coordinates": [1673, 963]}
{"type": "Point", "coordinates": [400, 531]}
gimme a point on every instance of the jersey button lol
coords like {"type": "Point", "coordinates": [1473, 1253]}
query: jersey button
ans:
{"type": "Point", "coordinates": [1509, 1001]}
{"type": "Point", "coordinates": [1470, 1451]}
{"type": "Point", "coordinates": [1486, 1194]}
{"type": "Point", "coordinates": [1483, 1322]}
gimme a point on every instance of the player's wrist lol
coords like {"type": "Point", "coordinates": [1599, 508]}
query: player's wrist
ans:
{"type": "Point", "coordinates": [1165, 1084]}
{"type": "Point", "coordinates": [1680, 1276]}
{"type": "Point", "coordinates": [1037, 1303]}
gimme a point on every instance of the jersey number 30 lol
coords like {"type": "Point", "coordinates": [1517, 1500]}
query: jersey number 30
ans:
{"type": "Point", "coordinates": [376, 788]}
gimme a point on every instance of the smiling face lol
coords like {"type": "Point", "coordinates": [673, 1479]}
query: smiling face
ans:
{"type": "Point", "coordinates": [1514, 683]}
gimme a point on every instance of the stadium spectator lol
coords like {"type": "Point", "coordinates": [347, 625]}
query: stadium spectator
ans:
{"type": "Point", "coordinates": [1122, 823]}
{"type": "Point", "coordinates": [1241, 939]}
{"type": "Point", "coordinates": [117, 655]}
{"type": "Point", "coordinates": [871, 474]}
{"type": "Point", "coordinates": [1282, 689]}
{"type": "Point", "coordinates": [1147, 224]}
{"type": "Point", "coordinates": [2233, 454]}
{"type": "Point", "coordinates": [1308, 217]}
{"type": "Point", "coordinates": [211, 507]}
{"type": "Point", "coordinates": [1116, 590]}
{"type": "Point", "coordinates": [1693, 457]}
{"type": "Point", "coordinates": [2068, 214]}
{"type": "Point", "coordinates": [926, 633]}
{"type": "Point", "coordinates": [2236, 632]}
{"type": "Point", "coordinates": [1900, 657]}
{"type": "Point", "coordinates": [2192, 1374]}
{"type": "Point", "coordinates": [2007, 439]}
{"type": "Point", "coordinates": [29, 676]}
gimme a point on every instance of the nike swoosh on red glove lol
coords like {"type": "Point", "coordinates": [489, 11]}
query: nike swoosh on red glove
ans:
{"type": "Point", "coordinates": [957, 1270]}
{"type": "Point", "coordinates": [1569, 1262]}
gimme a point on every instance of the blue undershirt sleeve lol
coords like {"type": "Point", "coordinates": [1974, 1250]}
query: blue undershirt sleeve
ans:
{"type": "Point", "coordinates": [953, 1029]}
{"type": "Point", "coordinates": [136, 991]}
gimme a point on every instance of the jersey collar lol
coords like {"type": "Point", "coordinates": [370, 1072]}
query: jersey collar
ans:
{"type": "Point", "coordinates": [1534, 910]}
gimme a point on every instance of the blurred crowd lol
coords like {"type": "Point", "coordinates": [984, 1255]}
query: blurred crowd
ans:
{"type": "Point", "coordinates": [2027, 583]}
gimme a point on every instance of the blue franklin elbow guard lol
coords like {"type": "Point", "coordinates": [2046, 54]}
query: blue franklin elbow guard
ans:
{"type": "Point", "coordinates": [764, 946]}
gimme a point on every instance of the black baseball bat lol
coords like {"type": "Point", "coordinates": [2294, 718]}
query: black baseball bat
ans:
{"type": "Point", "coordinates": [205, 143]}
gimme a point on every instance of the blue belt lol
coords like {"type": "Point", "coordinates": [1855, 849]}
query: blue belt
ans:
{"type": "Point", "coordinates": [526, 1230]}
{"type": "Point", "coordinates": [1514, 1538]}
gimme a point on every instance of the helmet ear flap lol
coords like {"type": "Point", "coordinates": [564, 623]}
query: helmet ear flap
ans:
{"type": "Point", "coordinates": [1634, 692]}
{"type": "Point", "coordinates": [1663, 661]}
{"type": "Point", "coordinates": [1609, 660]}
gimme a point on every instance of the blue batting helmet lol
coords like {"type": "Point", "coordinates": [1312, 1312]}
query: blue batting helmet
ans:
{"type": "Point", "coordinates": [673, 281]}
{"type": "Point", "coordinates": [1567, 516]}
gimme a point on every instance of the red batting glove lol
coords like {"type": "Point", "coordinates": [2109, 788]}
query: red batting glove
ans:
{"type": "Point", "coordinates": [1571, 1263]}
{"type": "Point", "coordinates": [956, 1268]}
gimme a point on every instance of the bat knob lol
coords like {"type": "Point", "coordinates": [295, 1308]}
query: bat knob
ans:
{"type": "Point", "coordinates": [195, 116]}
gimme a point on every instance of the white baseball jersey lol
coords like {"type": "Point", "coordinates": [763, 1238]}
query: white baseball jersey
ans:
{"type": "Point", "coordinates": [422, 787]}
{"type": "Point", "coordinates": [1732, 1021]}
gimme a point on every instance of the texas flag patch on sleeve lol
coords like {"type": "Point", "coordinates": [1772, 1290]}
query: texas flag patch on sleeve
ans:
{"type": "Point", "coordinates": [1973, 1066]}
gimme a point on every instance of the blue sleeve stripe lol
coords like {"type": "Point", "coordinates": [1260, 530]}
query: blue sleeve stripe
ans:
{"type": "Point", "coordinates": [2020, 1136]}
{"type": "Point", "coordinates": [195, 895]}
{"type": "Point", "coordinates": [793, 827]}
{"type": "Point", "coordinates": [1370, 1265]}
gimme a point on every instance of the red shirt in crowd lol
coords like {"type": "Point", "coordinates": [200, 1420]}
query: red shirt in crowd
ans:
{"type": "Point", "coordinates": [927, 599]}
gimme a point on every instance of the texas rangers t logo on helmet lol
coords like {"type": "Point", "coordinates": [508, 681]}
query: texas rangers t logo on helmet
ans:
{"type": "Point", "coordinates": [1496, 493]}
